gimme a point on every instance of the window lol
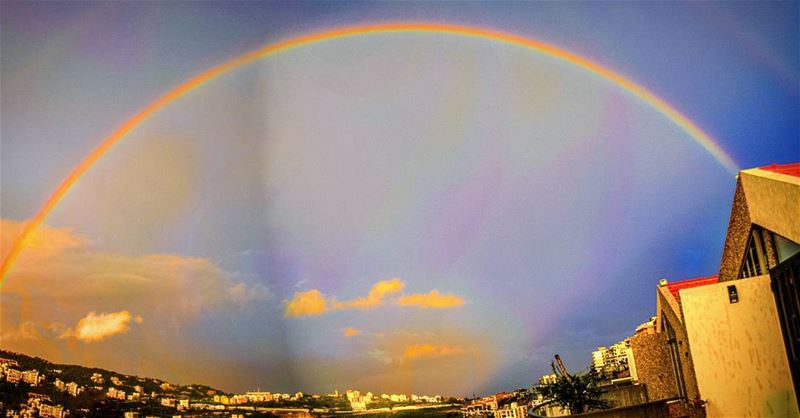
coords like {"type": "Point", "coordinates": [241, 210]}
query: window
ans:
{"type": "Point", "coordinates": [754, 263]}
{"type": "Point", "coordinates": [784, 247]}
{"type": "Point", "coordinates": [677, 369]}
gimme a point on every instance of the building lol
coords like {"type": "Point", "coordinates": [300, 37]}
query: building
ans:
{"type": "Point", "coordinates": [512, 410]}
{"type": "Point", "coordinates": [753, 312]}
{"type": "Point", "coordinates": [8, 362]}
{"type": "Point", "coordinates": [73, 389]}
{"type": "Point", "coordinates": [398, 398]}
{"type": "Point", "coordinates": [648, 327]}
{"type": "Point", "coordinates": [13, 375]}
{"type": "Point", "coordinates": [730, 340]}
{"type": "Point", "coordinates": [60, 385]}
{"type": "Point", "coordinates": [548, 379]}
{"type": "Point", "coordinates": [116, 394]}
{"type": "Point", "coordinates": [183, 404]}
{"type": "Point", "coordinates": [31, 377]}
{"type": "Point", "coordinates": [484, 406]}
{"type": "Point", "coordinates": [51, 411]}
{"type": "Point", "coordinates": [259, 396]}
{"type": "Point", "coordinates": [615, 361]}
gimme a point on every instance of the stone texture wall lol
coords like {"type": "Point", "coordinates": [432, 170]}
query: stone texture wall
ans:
{"type": "Point", "coordinates": [736, 239]}
{"type": "Point", "coordinates": [651, 354]}
{"type": "Point", "coordinates": [675, 318]}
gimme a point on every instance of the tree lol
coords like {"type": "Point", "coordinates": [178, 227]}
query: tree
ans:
{"type": "Point", "coordinates": [578, 392]}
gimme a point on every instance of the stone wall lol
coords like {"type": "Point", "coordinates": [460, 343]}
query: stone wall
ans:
{"type": "Point", "coordinates": [653, 364]}
{"type": "Point", "coordinates": [736, 239]}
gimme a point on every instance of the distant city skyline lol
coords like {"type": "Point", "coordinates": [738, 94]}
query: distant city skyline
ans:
{"type": "Point", "coordinates": [411, 212]}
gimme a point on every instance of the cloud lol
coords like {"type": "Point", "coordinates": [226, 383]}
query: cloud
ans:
{"type": "Point", "coordinates": [350, 332]}
{"type": "Point", "coordinates": [309, 303]}
{"type": "Point", "coordinates": [313, 302]}
{"type": "Point", "coordinates": [432, 299]}
{"type": "Point", "coordinates": [92, 327]}
{"type": "Point", "coordinates": [415, 351]}
{"type": "Point", "coordinates": [33, 331]}
{"type": "Point", "coordinates": [242, 293]}
{"type": "Point", "coordinates": [375, 297]}
{"type": "Point", "coordinates": [45, 242]}
{"type": "Point", "coordinates": [96, 327]}
{"type": "Point", "coordinates": [60, 264]}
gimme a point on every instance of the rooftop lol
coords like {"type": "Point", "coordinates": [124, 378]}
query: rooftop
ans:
{"type": "Point", "coordinates": [792, 169]}
{"type": "Point", "coordinates": [676, 287]}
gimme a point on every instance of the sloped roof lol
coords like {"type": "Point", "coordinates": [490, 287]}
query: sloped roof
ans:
{"type": "Point", "coordinates": [792, 169]}
{"type": "Point", "coordinates": [676, 287]}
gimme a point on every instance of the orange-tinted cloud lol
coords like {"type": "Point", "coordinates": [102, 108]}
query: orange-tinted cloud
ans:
{"type": "Point", "coordinates": [95, 327]}
{"type": "Point", "coordinates": [375, 297]}
{"type": "Point", "coordinates": [350, 332]}
{"type": "Point", "coordinates": [33, 331]}
{"type": "Point", "coordinates": [309, 303]}
{"type": "Point", "coordinates": [313, 302]}
{"type": "Point", "coordinates": [62, 276]}
{"type": "Point", "coordinates": [61, 264]}
{"type": "Point", "coordinates": [415, 351]}
{"type": "Point", "coordinates": [46, 242]}
{"type": "Point", "coordinates": [432, 299]}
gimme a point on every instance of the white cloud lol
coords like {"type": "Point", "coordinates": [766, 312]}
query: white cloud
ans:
{"type": "Point", "coordinates": [96, 327]}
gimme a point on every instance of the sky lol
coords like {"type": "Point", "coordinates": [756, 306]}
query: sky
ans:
{"type": "Point", "coordinates": [394, 212]}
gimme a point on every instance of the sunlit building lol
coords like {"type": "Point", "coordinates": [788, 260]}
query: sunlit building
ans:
{"type": "Point", "coordinates": [512, 410]}
{"type": "Point", "coordinates": [60, 385]}
{"type": "Point", "coordinates": [730, 341]}
{"type": "Point", "coordinates": [613, 361]}
{"type": "Point", "coordinates": [31, 377]}
{"type": "Point", "coordinates": [13, 375]}
{"type": "Point", "coordinates": [183, 404]}
{"type": "Point", "coordinates": [480, 407]}
{"type": "Point", "coordinates": [259, 396]}
{"type": "Point", "coordinates": [73, 389]}
{"type": "Point", "coordinates": [548, 379]}
{"type": "Point", "coordinates": [51, 411]}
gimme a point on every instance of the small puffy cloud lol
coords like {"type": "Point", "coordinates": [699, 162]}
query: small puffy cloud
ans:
{"type": "Point", "coordinates": [350, 332]}
{"type": "Point", "coordinates": [313, 302]}
{"type": "Point", "coordinates": [415, 351]}
{"type": "Point", "coordinates": [432, 299]}
{"type": "Point", "coordinates": [376, 295]}
{"type": "Point", "coordinates": [95, 327]}
{"type": "Point", "coordinates": [309, 303]}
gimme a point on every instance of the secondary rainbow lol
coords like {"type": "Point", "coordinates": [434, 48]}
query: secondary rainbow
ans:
{"type": "Point", "coordinates": [638, 91]}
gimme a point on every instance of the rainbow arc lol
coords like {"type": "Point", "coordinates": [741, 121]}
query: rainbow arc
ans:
{"type": "Point", "coordinates": [636, 90]}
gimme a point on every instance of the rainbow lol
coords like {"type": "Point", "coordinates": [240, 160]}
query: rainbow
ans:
{"type": "Point", "coordinates": [643, 94]}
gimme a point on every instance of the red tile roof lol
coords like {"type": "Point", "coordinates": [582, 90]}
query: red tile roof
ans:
{"type": "Point", "coordinates": [792, 169]}
{"type": "Point", "coordinates": [674, 288]}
